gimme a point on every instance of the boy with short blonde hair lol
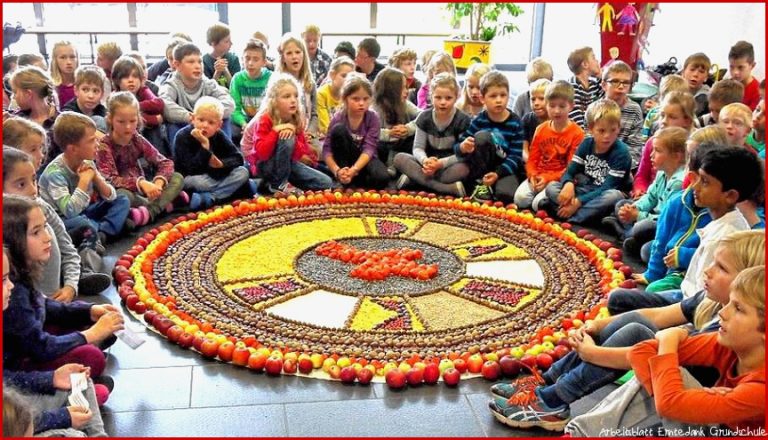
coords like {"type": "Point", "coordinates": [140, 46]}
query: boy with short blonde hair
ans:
{"type": "Point", "coordinates": [220, 64]}
{"type": "Point", "coordinates": [319, 61]}
{"type": "Point", "coordinates": [404, 58]}
{"type": "Point", "coordinates": [585, 81]}
{"type": "Point", "coordinates": [599, 172]}
{"type": "Point", "coordinates": [736, 118]}
{"type": "Point", "coordinates": [211, 164]}
{"type": "Point", "coordinates": [741, 61]}
{"type": "Point", "coordinates": [537, 68]}
{"type": "Point", "coordinates": [90, 83]}
{"type": "Point", "coordinates": [696, 71]}
{"type": "Point", "coordinates": [554, 143]}
{"type": "Point", "coordinates": [617, 83]}
{"type": "Point", "coordinates": [71, 181]}
{"type": "Point", "coordinates": [538, 113]}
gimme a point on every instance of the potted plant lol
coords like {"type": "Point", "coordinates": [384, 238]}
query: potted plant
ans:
{"type": "Point", "coordinates": [486, 21]}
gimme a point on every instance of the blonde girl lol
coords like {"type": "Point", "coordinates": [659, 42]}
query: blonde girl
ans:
{"type": "Point", "coordinates": [433, 163]}
{"type": "Point", "coordinates": [439, 62]}
{"type": "Point", "coordinates": [677, 109]}
{"type": "Point", "coordinates": [118, 162]}
{"type": "Point", "coordinates": [280, 151]}
{"type": "Point", "coordinates": [294, 59]}
{"type": "Point", "coordinates": [349, 149]}
{"type": "Point", "coordinates": [65, 62]}
{"type": "Point", "coordinates": [471, 100]}
{"type": "Point", "coordinates": [27, 136]}
{"type": "Point", "coordinates": [35, 96]}
{"type": "Point", "coordinates": [396, 113]}
{"type": "Point", "coordinates": [329, 94]}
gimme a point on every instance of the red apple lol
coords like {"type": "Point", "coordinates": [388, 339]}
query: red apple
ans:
{"type": "Point", "coordinates": [240, 356]}
{"type": "Point", "coordinates": [185, 340]}
{"type": "Point", "coordinates": [510, 366]}
{"type": "Point", "coordinates": [131, 300]}
{"type": "Point", "coordinates": [544, 361]}
{"type": "Point", "coordinates": [582, 233]}
{"type": "Point", "coordinates": [491, 370]}
{"type": "Point", "coordinates": [174, 333]}
{"type": "Point", "coordinates": [163, 324]}
{"type": "Point", "coordinates": [628, 284]}
{"type": "Point", "coordinates": [140, 308]}
{"type": "Point", "coordinates": [305, 365]}
{"type": "Point", "coordinates": [149, 316]}
{"type": "Point", "coordinates": [395, 379]}
{"type": "Point", "coordinates": [560, 351]}
{"type": "Point", "coordinates": [475, 363]}
{"type": "Point", "coordinates": [273, 366]}
{"type": "Point", "coordinates": [226, 350]}
{"type": "Point", "coordinates": [197, 341]}
{"type": "Point", "coordinates": [348, 374]}
{"type": "Point", "coordinates": [209, 348]}
{"type": "Point", "coordinates": [415, 376]}
{"type": "Point", "coordinates": [432, 373]}
{"type": "Point", "coordinates": [626, 270]}
{"type": "Point", "coordinates": [566, 225]}
{"type": "Point", "coordinates": [451, 377]}
{"type": "Point", "coordinates": [257, 361]}
{"type": "Point", "coordinates": [460, 364]}
{"type": "Point", "coordinates": [289, 366]}
{"type": "Point", "coordinates": [605, 245]}
{"type": "Point", "coordinates": [588, 236]}
{"type": "Point", "coordinates": [364, 376]}
{"type": "Point", "coordinates": [529, 360]}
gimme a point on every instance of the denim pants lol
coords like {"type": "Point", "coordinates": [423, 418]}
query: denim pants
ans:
{"type": "Point", "coordinates": [643, 231]}
{"type": "Point", "coordinates": [105, 216]}
{"type": "Point", "coordinates": [574, 378]}
{"type": "Point", "coordinates": [280, 169]}
{"type": "Point", "coordinates": [592, 210]}
{"type": "Point", "coordinates": [219, 189]}
{"type": "Point", "coordinates": [625, 300]}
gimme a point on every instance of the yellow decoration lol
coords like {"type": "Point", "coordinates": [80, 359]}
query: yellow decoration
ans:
{"type": "Point", "coordinates": [468, 52]}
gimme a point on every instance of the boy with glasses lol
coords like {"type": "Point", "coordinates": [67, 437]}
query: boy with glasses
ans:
{"type": "Point", "coordinates": [617, 83]}
{"type": "Point", "coordinates": [365, 60]}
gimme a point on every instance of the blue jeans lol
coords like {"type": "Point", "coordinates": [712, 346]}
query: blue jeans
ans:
{"type": "Point", "coordinates": [574, 378]}
{"type": "Point", "coordinates": [173, 128]}
{"type": "Point", "coordinates": [280, 169]}
{"type": "Point", "coordinates": [219, 189]}
{"type": "Point", "coordinates": [105, 216]}
{"type": "Point", "coordinates": [625, 300]}
{"type": "Point", "coordinates": [642, 231]}
{"type": "Point", "coordinates": [594, 209]}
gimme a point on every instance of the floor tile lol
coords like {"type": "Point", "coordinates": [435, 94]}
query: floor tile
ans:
{"type": "Point", "coordinates": [493, 428]}
{"type": "Point", "coordinates": [156, 351]}
{"type": "Point", "coordinates": [149, 389]}
{"type": "Point", "coordinates": [218, 385]}
{"type": "Point", "coordinates": [390, 418]}
{"type": "Point", "coordinates": [239, 421]}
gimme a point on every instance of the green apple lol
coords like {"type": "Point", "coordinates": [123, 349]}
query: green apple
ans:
{"type": "Point", "coordinates": [517, 352]}
{"type": "Point", "coordinates": [445, 364]}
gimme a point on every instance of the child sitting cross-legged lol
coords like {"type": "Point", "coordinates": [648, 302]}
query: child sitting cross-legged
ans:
{"type": "Point", "coordinates": [554, 143]}
{"type": "Point", "coordinates": [120, 162]}
{"type": "Point", "coordinates": [666, 397]}
{"type": "Point", "coordinates": [211, 164]}
{"type": "Point", "coordinates": [635, 221]}
{"type": "Point", "coordinates": [598, 173]}
{"type": "Point", "coordinates": [71, 182]}
{"type": "Point", "coordinates": [434, 164]}
{"type": "Point", "coordinates": [281, 153]}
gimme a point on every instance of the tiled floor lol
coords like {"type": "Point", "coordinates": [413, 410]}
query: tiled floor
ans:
{"type": "Point", "coordinates": [163, 390]}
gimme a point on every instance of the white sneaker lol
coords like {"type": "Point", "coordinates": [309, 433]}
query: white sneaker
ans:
{"type": "Point", "coordinates": [403, 181]}
{"type": "Point", "coordinates": [460, 191]}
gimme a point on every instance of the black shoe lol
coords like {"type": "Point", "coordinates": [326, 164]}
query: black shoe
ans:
{"type": "Point", "coordinates": [103, 238]}
{"type": "Point", "coordinates": [105, 380]}
{"type": "Point", "coordinates": [93, 283]}
{"type": "Point", "coordinates": [631, 247]}
{"type": "Point", "coordinates": [615, 226]}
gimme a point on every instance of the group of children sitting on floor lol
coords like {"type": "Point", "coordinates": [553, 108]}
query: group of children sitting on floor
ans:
{"type": "Point", "coordinates": [93, 152]}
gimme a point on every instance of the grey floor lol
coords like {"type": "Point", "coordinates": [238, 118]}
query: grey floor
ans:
{"type": "Point", "coordinates": [163, 390]}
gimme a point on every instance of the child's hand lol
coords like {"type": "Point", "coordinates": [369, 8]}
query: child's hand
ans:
{"type": "Point", "coordinates": [79, 416]}
{"type": "Point", "coordinates": [672, 336]}
{"type": "Point", "coordinates": [64, 295]}
{"type": "Point", "coordinates": [538, 183]}
{"type": "Point", "coordinates": [61, 377]}
{"type": "Point", "coordinates": [398, 131]}
{"type": "Point", "coordinates": [86, 173]}
{"type": "Point", "coordinates": [636, 193]}
{"type": "Point", "coordinates": [468, 145]}
{"type": "Point", "coordinates": [151, 190]}
{"type": "Point", "coordinates": [639, 278]}
{"type": "Point", "coordinates": [204, 141]}
{"type": "Point", "coordinates": [221, 65]}
{"type": "Point", "coordinates": [569, 209]}
{"type": "Point", "coordinates": [159, 119]}
{"type": "Point", "coordinates": [106, 326]}
{"type": "Point", "coordinates": [671, 258]}
{"type": "Point", "coordinates": [490, 179]}
{"type": "Point", "coordinates": [431, 166]}
{"type": "Point", "coordinates": [717, 391]}
{"type": "Point", "coordinates": [566, 194]}
{"type": "Point", "coordinates": [628, 213]}
{"type": "Point", "coordinates": [97, 311]}
{"type": "Point", "coordinates": [345, 175]}
{"type": "Point", "coordinates": [307, 160]}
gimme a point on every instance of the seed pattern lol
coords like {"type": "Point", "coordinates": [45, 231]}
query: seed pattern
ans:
{"type": "Point", "coordinates": [266, 291]}
{"type": "Point", "coordinates": [389, 227]}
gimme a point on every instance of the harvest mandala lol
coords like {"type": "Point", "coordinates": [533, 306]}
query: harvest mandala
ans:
{"type": "Point", "coordinates": [377, 277]}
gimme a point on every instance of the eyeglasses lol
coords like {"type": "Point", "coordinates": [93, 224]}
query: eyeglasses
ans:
{"type": "Point", "coordinates": [618, 82]}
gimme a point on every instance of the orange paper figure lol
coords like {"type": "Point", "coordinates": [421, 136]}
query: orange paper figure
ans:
{"type": "Point", "coordinates": [606, 14]}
